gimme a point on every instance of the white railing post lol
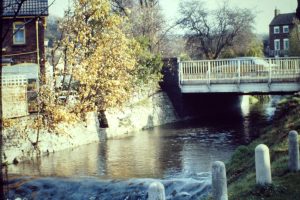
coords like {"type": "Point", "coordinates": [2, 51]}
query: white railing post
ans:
{"type": "Point", "coordinates": [179, 72]}
{"type": "Point", "coordinates": [208, 81]}
{"type": "Point", "coordinates": [270, 72]}
{"type": "Point", "coordinates": [239, 71]}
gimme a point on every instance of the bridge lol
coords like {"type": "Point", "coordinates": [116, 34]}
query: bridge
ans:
{"type": "Point", "coordinates": [241, 75]}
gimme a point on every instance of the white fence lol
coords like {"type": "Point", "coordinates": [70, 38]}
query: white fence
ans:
{"type": "Point", "coordinates": [14, 96]}
{"type": "Point", "coordinates": [14, 80]}
{"type": "Point", "coordinates": [239, 70]}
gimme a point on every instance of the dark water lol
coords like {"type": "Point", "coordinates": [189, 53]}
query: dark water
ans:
{"type": "Point", "coordinates": [181, 152]}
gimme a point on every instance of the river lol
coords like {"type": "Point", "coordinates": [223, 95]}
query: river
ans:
{"type": "Point", "coordinates": [179, 155]}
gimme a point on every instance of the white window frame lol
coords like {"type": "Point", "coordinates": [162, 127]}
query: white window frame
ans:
{"type": "Point", "coordinates": [15, 30]}
{"type": "Point", "coordinates": [276, 30]}
{"type": "Point", "coordinates": [286, 44]}
{"type": "Point", "coordinates": [275, 41]}
{"type": "Point", "coordinates": [284, 28]}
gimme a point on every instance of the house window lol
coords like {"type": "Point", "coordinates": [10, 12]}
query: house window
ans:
{"type": "Point", "coordinates": [285, 29]}
{"type": "Point", "coordinates": [276, 29]}
{"type": "Point", "coordinates": [19, 33]}
{"type": "Point", "coordinates": [276, 44]}
{"type": "Point", "coordinates": [286, 44]}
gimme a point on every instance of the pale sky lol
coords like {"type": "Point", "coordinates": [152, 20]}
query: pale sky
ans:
{"type": "Point", "coordinates": [263, 8]}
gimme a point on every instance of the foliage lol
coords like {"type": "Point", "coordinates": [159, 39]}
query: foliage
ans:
{"type": "Point", "coordinates": [255, 49]}
{"type": "Point", "coordinates": [211, 31]}
{"type": "Point", "coordinates": [102, 63]}
{"type": "Point", "coordinates": [294, 40]}
{"type": "Point", "coordinates": [146, 20]}
{"type": "Point", "coordinates": [184, 57]}
{"type": "Point", "coordinates": [99, 56]}
{"type": "Point", "coordinates": [52, 33]}
{"type": "Point", "coordinates": [149, 65]}
{"type": "Point", "coordinates": [245, 44]}
{"type": "Point", "coordinates": [53, 112]}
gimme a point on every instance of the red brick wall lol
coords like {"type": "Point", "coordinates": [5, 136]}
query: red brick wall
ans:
{"type": "Point", "coordinates": [29, 46]}
{"type": "Point", "coordinates": [280, 36]}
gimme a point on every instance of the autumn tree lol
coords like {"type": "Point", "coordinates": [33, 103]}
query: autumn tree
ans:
{"type": "Point", "coordinates": [101, 59]}
{"type": "Point", "coordinates": [214, 30]}
{"type": "Point", "coordinates": [146, 26]}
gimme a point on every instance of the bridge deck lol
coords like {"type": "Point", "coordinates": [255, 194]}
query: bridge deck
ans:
{"type": "Point", "coordinates": [245, 75]}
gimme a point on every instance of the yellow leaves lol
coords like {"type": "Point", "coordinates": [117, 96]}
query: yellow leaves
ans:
{"type": "Point", "coordinates": [100, 57]}
{"type": "Point", "coordinates": [8, 123]}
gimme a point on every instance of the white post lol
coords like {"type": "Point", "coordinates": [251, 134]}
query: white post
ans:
{"type": "Point", "coordinates": [179, 71]}
{"type": "Point", "coordinates": [156, 191]}
{"type": "Point", "coordinates": [239, 71]}
{"type": "Point", "coordinates": [208, 81]}
{"type": "Point", "coordinates": [219, 181]}
{"type": "Point", "coordinates": [262, 165]}
{"type": "Point", "coordinates": [293, 151]}
{"type": "Point", "coordinates": [270, 72]}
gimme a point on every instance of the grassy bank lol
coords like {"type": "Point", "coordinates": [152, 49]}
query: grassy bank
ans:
{"type": "Point", "coordinates": [241, 167]}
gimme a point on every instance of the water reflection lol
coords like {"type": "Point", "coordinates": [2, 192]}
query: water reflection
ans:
{"type": "Point", "coordinates": [177, 150]}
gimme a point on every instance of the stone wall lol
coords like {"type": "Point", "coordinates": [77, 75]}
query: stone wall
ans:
{"type": "Point", "coordinates": [148, 112]}
{"type": "Point", "coordinates": [20, 138]}
{"type": "Point", "coordinates": [143, 113]}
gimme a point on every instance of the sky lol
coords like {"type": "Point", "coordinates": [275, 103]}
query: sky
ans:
{"type": "Point", "coordinates": [264, 9]}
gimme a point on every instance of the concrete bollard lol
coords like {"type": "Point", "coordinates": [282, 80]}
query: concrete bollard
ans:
{"type": "Point", "coordinates": [219, 181]}
{"type": "Point", "coordinates": [293, 151]}
{"type": "Point", "coordinates": [262, 165]}
{"type": "Point", "coordinates": [156, 191]}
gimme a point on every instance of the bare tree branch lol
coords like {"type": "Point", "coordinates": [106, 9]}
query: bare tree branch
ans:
{"type": "Point", "coordinates": [214, 30]}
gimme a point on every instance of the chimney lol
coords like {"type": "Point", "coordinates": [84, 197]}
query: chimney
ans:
{"type": "Point", "coordinates": [276, 12]}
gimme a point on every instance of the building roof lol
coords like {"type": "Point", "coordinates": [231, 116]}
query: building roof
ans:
{"type": "Point", "coordinates": [28, 8]}
{"type": "Point", "coordinates": [283, 19]}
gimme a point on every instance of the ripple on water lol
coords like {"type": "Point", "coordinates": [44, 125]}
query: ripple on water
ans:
{"type": "Point", "coordinates": [92, 188]}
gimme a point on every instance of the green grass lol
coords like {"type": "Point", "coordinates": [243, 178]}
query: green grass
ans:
{"type": "Point", "coordinates": [241, 167]}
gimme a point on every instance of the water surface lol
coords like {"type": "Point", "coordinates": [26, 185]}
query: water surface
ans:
{"type": "Point", "coordinates": [177, 150]}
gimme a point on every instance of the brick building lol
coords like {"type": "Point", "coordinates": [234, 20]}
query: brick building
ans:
{"type": "Point", "coordinates": [23, 32]}
{"type": "Point", "coordinates": [279, 33]}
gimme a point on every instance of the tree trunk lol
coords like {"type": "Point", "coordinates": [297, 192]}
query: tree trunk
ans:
{"type": "Point", "coordinates": [102, 119]}
{"type": "Point", "coordinates": [298, 10]}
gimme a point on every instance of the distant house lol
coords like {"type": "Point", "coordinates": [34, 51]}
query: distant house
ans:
{"type": "Point", "coordinates": [279, 33]}
{"type": "Point", "coordinates": [23, 32]}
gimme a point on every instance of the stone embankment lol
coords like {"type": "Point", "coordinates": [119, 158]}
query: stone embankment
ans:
{"type": "Point", "coordinates": [146, 112]}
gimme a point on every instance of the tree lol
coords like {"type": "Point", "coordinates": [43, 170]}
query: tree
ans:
{"type": "Point", "coordinates": [298, 10]}
{"type": "Point", "coordinates": [99, 55]}
{"type": "Point", "coordinates": [294, 39]}
{"type": "Point", "coordinates": [245, 44]}
{"type": "Point", "coordinates": [213, 30]}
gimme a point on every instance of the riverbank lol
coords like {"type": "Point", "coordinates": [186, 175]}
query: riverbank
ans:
{"type": "Point", "coordinates": [241, 167]}
{"type": "Point", "coordinates": [21, 142]}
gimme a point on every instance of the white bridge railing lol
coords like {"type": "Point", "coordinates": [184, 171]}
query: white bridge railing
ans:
{"type": "Point", "coordinates": [243, 70]}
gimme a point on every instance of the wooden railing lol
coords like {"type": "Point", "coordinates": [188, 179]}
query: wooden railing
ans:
{"type": "Point", "coordinates": [239, 70]}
